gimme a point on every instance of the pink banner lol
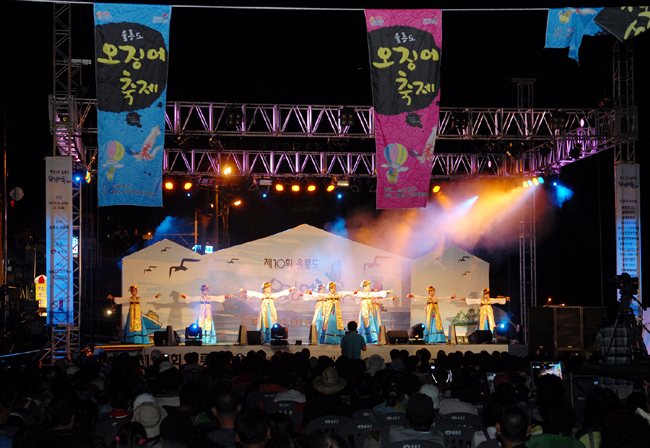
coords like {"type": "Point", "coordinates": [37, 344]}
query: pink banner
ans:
{"type": "Point", "coordinates": [404, 47]}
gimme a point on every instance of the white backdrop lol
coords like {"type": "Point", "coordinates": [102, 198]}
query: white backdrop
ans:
{"type": "Point", "coordinates": [302, 257]}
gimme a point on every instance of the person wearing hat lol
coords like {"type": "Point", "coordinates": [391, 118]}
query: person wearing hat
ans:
{"type": "Point", "coordinates": [134, 331]}
{"type": "Point", "coordinates": [205, 320]}
{"type": "Point", "coordinates": [369, 312]}
{"type": "Point", "coordinates": [332, 328]}
{"type": "Point", "coordinates": [317, 321]}
{"type": "Point", "coordinates": [148, 414]}
{"type": "Point", "coordinates": [328, 402]}
{"type": "Point", "coordinates": [486, 313]}
{"type": "Point", "coordinates": [268, 315]}
{"type": "Point", "coordinates": [433, 332]}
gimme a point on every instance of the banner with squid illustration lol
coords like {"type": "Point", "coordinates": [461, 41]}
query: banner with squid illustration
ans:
{"type": "Point", "coordinates": [405, 48]}
{"type": "Point", "coordinates": [132, 56]}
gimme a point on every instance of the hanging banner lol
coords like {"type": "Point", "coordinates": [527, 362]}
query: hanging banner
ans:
{"type": "Point", "coordinates": [405, 48]}
{"type": "Point", "coordinates": [624, 22]}
{"type": "Point", "coordinates": [58, 239]}
{"type": "Point", "coordinates": [566, 26]}
{"type": "Point", "coordinates": [628, 220]}
{"type": "Point", "coordinates": [131, 49]}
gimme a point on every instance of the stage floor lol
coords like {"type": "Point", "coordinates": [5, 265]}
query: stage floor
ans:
{"type": "Point", "coordinates": [176, 353]}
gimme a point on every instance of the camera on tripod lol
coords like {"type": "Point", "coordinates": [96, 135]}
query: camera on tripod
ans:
{"type": "Point", "coordinates": [629, 286]}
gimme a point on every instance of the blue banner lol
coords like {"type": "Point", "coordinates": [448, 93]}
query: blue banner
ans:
{"type": "Point", "coordinates": [132, 56]}
{"type": "Point", "coordinates": [566, 26]}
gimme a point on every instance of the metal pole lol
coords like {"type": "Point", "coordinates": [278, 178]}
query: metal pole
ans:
{"type": "Point", "coordinates": [5, 304]}
{"type": "Point", "coordinates": [216, 220]}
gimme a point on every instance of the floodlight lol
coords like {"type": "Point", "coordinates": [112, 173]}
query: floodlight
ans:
{"type": "Point", "coordinates": [416, 334]}
{"type": "Point", "coordinates": [279, 335]}
{"type": "Point", "coordinates": [194, 335]}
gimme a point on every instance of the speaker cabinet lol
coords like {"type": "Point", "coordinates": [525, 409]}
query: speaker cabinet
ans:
{"type": "Point", "coordinates": [397, 337]}
{"type": "Point", "coordinates": [480, 337]}
{"type": "Point", "coordinates": [254, 337]}
{"type": "Point", "coordinates": [563, 328]}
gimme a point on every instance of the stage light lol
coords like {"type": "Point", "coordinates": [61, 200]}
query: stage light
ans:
{"type": "Point", "coordinates": [194, 335]}
{"type": "Point", "coordinates": [187, 185]}
{"type": "Point", "coordinates": [197, 247]}
{"type": "Point", "coordinates": [540, 180]}
{"type": "Point", "coordinates": [264, 195]}
{"type": "Point", "coordinates": [347, 117]}
{"type": "Point", "coordinates": [342, 183]}
{"type": "Point", "coordinates": [529, 182]}
{"type": "Point", "coordinates": [436, 189]}
{"type": "Point", "coordinates": [265, 182]}
{"type": "Point", "coordinates": [311, 187]}
{"type": "Point", "coordinates": [535, 181]}
{"type": "Point", "coordinates": [209, 249]}
{"type": "Point", "coordinates": [295, 188]}
{"type": "Point", "coordinates": [331, 187]}
{"type": "Point", "coordinates": [525, 184]}
{"type": "Point", "coordinates": [77, 177]}
{"type": "Point", "coordinates": [169, 185]}
{"type": "Point", "coordinates": [237, 202]}
{"type": "Point", "coordinates": [416, 334]}
{"type": "Point", "coordinates": [354, 188]}
{"type": "Point", "coordinates": [576, 151]}
{"type": "Point", "coordinates": [279, 187]}
{"type": "Point", "coordinates": [227, 170]}
{"type": "Point", "coordinates": [88, 177]}
{"type": "Point", "coordinates": [558, 120]}
{"type": "Point", "coordinates": [339, 196]}
{"type": "Point", "coordinates": [279, 335]}
{"type": "Point", "coordinates": [506, 329]}
{"type": "Point", "coordinates": [460, 120]}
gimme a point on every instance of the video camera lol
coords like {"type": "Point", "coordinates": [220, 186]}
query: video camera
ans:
{"type": "Point", "coordinates": [629, 286]}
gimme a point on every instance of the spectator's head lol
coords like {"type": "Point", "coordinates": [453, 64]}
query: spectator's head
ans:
{"type": "Point", "coordinates": [149, 415]}
{"type": "Point", "coordinates": [394, 354]}
{"type": "Point", "coordinates": [321, 439]}
{"type": "Point", "coordinates": [375, 363]}
{"type": "Point", "coordinates": [558, 417]}
{"type": "Point", "coordinates": [131, 435]}
{"type": "Point", "coordinates": [61, 412]}
{"type": "Point", "coordinates": [442, 379]}
{"type": "Point", "coordinates": [352, 326]}
{"type": "Point", "coordinates": [191, 358]}
{"type": "Point", "coordinates": [513, 426]}
{"type": "Point", "coordinates": [432, 392]}
{"type": "Point", "coordinates": [496, 404]}
{"type": "Point", "coordinates": [549, 388]}
{"type": "Point", "coordinates": [419, 411]}
{"type": "Point", "coordinates": [176, 430]}
{"type": "Point", "coordinates": [226, 403]}
{"type": "Point", "coordinates": [252, 428]}
{"type": "Point", "coordinates": [329, 382]}
{"type": "Point", "coordinates": [600, 403]}
{"type": "Point", "coordinates": [625, 430]}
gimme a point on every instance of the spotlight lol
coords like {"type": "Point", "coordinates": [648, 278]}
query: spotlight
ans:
{"type": "Point", "coordinates": [279, 335]}
{"type": "Point", "coordinates": [331, 186]}
{"type": "Point", "coordinates": [169, 185]}
{"type": "Point", "coordinates": [342, 183]}
{"type": "Point", "coordinates": [558, 120]}
{"type": "Point", "coordinates": [547, 149]}
{"type": "Point", "coordinates": [354, 188]}
{"type": "Point", "coordinates": [525, 184]}
{"type": "Point", "coordinates": [227, 170]}
{"type": "Point", "coordinates": [339, 196]}
{"type": "Point", "coordinates": [347, 117]}
{"type": "Point", "coordinates": [535, 181]}
{"type": "Point", "coordinates": [237, 202]}
{"type": "Point", "coordinates": [279, 187]}
{"type": "Point", "coordinates": [187, 185]}
{"type": "Point", "coordinates": [436, 189]}
{"type": "Point", "coordinates": [265, 182]}
{"type": "Point", "coordinates": [506, 329]}
{"type": "Point", "coordinates": [194, 335]}
{"type": "Point", "coordinates": [576, 151]}
{"type": "Point", "coordinates": [416, 334]}
{"type": "Point", "coordinates": [311, 188]}
{"type": "Point", "coordinates": [88, 177]}
{"type": "Point", "coordinates": [460, 120]}
{"type": "Point", "coordinates": [295, 188]}
{"type": "Point", "coordinates": [233, 118]}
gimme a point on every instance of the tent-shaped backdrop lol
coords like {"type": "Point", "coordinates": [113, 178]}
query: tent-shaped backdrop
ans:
{"type": "Point", "coordinates": [302, 257]}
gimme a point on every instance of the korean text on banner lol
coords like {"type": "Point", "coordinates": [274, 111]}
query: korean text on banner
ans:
{"type": "Point", "coordinates": [131, 48]}
{"type": "Point", "coordinates": [405, 48]}
{"type": "Point", "coordinates": [58, 239]}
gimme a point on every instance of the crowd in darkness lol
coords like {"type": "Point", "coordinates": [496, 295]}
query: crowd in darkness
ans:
{"type": "Point", "coordinates": [230, 401]}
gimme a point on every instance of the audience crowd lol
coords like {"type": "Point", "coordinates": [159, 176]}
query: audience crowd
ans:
{"type": "Point", "coordinates": [294, 400]}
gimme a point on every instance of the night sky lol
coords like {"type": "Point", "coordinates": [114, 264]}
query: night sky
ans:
{"type": "Point", "coordinates": [321, 57]}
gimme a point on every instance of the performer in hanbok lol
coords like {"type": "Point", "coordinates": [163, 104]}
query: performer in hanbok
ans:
{"type": "Point", "coordinates": [317, 321]}
{"type": "Point", "coordinates": [205, 320]}
{"type": "Point", "coordinates": [134, 331]}
{"type": "Point", "coordinates": [332, 328]}
{"type": "Point", "coordinates": [433, 331]}
{"type": "Point", "coordinates": [268, 316]}
{"type": "Point", "coordinates": [370, 311]}
{"type": "Point", "coordinates": [486, 314]}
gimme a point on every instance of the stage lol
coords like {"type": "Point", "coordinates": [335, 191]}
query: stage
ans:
{"type": "Point", "coordinates": [176, 353]}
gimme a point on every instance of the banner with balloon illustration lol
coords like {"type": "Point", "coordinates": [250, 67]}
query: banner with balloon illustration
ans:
{"type": "Point", "coordinates": [132, 54]}
{"type": "Point", "coordinates": [404, 47]}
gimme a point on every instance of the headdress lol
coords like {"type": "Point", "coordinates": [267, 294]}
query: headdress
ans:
{"type": "Point", "coordinates": [430, 288]}
{"type": "Point", "coordinates": [331, 284]}
{"type": "Point", "coordinates": [365, 283]}
{"type": "Point", "coordinates": [204, 287]}
{"type": "Point", "coordinates": [265, 285]}
{"type": "Point", "coordinates": [132, 287]}
{"type": "Point", "coordinates": [486, 290]}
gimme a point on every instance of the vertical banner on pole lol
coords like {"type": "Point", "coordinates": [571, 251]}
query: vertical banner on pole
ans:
{"type": "Point", "coordinates": [404, 47]}
{"type": "Point", "coordinates": [131, 48]}
{"type": "Point", "coordinates": [58, 240]}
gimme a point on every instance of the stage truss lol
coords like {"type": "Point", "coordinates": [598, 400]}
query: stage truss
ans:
{"type": "Point", "coordinates": [514, 143]}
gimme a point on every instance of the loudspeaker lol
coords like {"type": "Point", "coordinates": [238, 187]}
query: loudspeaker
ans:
{"type": "Point", "coordinates": [160, 338]}
{"type": "Point", "coordinates": [563, 328]}
{"type": "Point", "coordinates": [254, 337]}
{"type": "Point", "coordinates": [397, 337]}
{"type": "Point", "coordinates": [172, 337]}
{"type": "Point", "coordinates": [480, 337]}
{"type": "Point", "coordinates": [568, 327]}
